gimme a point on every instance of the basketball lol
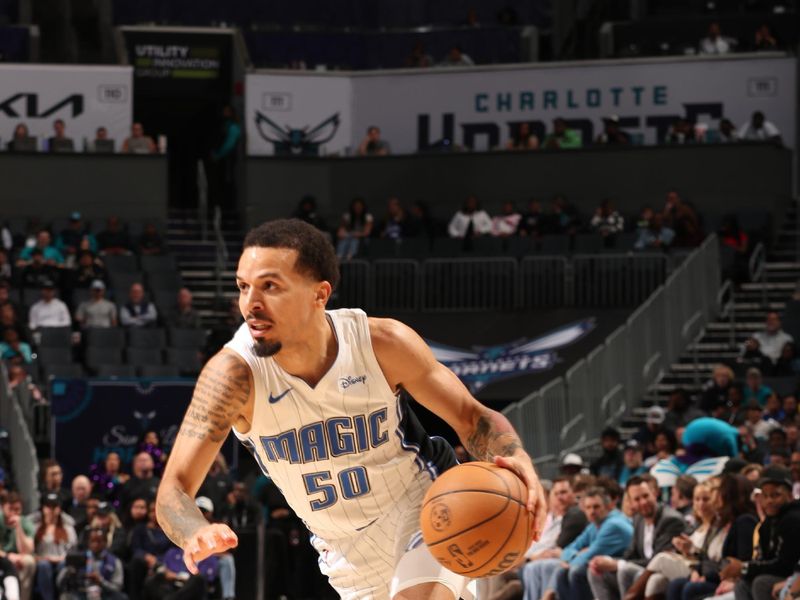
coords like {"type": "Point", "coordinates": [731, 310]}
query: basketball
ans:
{"type": "Point", "coordinates": [474, 519]}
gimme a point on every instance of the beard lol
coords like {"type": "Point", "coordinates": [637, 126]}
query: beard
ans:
{"type": "Point", "coordinates": [265, 349]}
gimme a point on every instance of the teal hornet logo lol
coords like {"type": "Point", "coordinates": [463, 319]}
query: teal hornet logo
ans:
{"type": "Point", "coordinates": [482, 366]}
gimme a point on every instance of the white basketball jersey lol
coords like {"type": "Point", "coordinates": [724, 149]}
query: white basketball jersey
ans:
{"type": "Point", "coordinates": [344, 451]}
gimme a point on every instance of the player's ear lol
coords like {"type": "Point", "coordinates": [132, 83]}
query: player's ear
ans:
{"type": "Point", "coordinates": [323, 292]}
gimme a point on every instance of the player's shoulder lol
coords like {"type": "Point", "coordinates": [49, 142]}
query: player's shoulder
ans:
{"type": "Point", "coordinates": [388, 331]}
{"type": "Point", "coordinates": [228, 362]}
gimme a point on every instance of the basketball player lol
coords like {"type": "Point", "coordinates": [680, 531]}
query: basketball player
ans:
{"type": "Point", "coordinates": [314, 395]}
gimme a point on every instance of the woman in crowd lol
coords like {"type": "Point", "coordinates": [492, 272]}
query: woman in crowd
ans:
{"type": "Point", "coordinates": [151, 444]}
{"type": "Point", "coordinates": [109, 478]}
{"type": "Point", "coordinates": [53, 539]}
{"type": "Point", "coordinates": [356, 225]}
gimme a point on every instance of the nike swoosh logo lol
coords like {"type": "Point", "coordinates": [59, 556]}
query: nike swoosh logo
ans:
{"type": "Point", "coordinates": [365, 526]}
{"type": "Point", "coordinates": [274, 399]}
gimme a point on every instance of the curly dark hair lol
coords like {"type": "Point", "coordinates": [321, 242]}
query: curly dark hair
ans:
{"type": "Point", "coordinates": [734, 495]}
{"type": "Point", "coordinates": [315, 254]}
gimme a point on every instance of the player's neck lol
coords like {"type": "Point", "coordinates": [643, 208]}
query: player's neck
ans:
{"type": "Point", "coordinates": [310, 358]}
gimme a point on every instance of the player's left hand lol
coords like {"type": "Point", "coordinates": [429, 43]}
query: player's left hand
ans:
{"type": "Point", "coordinates": [522, 465]}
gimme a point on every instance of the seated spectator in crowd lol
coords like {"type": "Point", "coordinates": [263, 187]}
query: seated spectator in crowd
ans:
{"type": "Point", "coordinates": [88, 270]}
{"type": "Point", "coordinates": [101, 144]}
{"type": "Point", "coordinates": [150, 242]}
{"type": "Point", "coordinates": [683, 220]}
{"type": "Point", "coordinates": [633, 465]}
{"type": "Point", "coordinates": [136, 514]}
{"type": "Point", "coordinates": [355, 226]}
{"type": "Point", "coordinates": [43, 243]}
{"type": "Point", "coordinates": [763, 40]}
{"type": "Point", "coordinates": [53, 540]}
{"type": "Point", "coordinates": [6, 269]}
{"type": "Point", "coordinates": [653, 423]}
{"type": "Point", "coordinates": [471, 221]}
{"type": "Point", "coordinates": [148, 544]}
{"type": "Point", "coordinates": [456, 58]}
{"type": "Point", "coordinates": [16, 542]}
{"type": "Point", "coordinates": [239, 511]}
{"type": "Point", "coordinates": [396, 225]}
{"type": "Point", "coordinates": [523, 138]}
{"type": "Point", "coordinates": [612, 134]}
{"type": "Point", "coordinates": [421, 224]}
{"type": "Point", "coordinates": [14, 350]}
{"type": "Point", "coordinates": [49, 311]}
{"type": "Point", "coordinates": [607, 222]}
{"type": "Point", "coordinates": [138, 142]}
{"type": "Point", "coordinates": [609, 463]}
{"type": "Point", "coordinates": [59, 142]}
{"type": "Point", "coordinates": [108, 478]}
{"type": "Point", "coordinates": [787, 365]}
{"type": "Point", "coordinates": [608, 533]}
{"type": "Point", "coordinates": [680, 410]}
{"type": "Point", "coordinates": [774, 411]}
{"type": "Point", "coordinates": [563, 137]}
{"type": "Point", "coordinates": [532, 219]}
{"type": "Point", "coordinates": [654, 528]}
{"type": "Point", "coordinates": [9, 583]}
{"type": "Point", "coordinates": [563, 218]}
{"type": "Point", "coordinates": [138, 311]}
{"type": "Point", "coordinates": [727, 134]}
{"type": "Point", "coordinates": [20, 140]}
{"type": "Point", "coordinates": [143, 482]}
{"type": "Point", "coordinates": [184, 316]}
{"type": "Point", "coordinates": [681, 132]}
{"type": "Point", "coordinates": [778, 541]}
{"type": "Point", "coordinates": [38, 272]}
{"type": "Point", "coordinates": [69, 240]}
{"type": "Point", "coordinates": [571, 464]}
{"type": "Point", "coordinates": [97, 311]}
{"type": "Point", "coordinates": [758, 129]}
{"type": "Point", "coordinates": [114, 239]}
{"type": "Point", "coordinates": [507, 222]}
{"type": "Point", "coordinates": [218, 482]}
{"type": "Point", "coordinates": [682, 496]}
{"type": "Point", "coordinates": [418, 58]}
{"type": "Point", "coordinates": [656, 235]}
{"type": "Point", "coordinates": [732, 236]}
{"type": "Point", "coordinates": [645, 217]}
{"type": "Point", "coordinates": [772, 340]}
{"type": "Point", "coordinates": [151, 444]}
{"type": "Point", "coordinates": [81, 490]}
{"type": "Point", "coordinates": [715, 42]}
{"type": "Point", "coordinates": [101, 576]}
{"type": "Point", "coordinates": [664, 445]}
{"type": "Point", "coordinates": [307, 211]}
{"type": "Point", "coordinates": [9, 320]}
{"type": "Point", "coordinates": [226, 568]}
{"type": "Point", "coordinates": [373, 144]}
{"type": "Point", "coordinates": [53, 481]}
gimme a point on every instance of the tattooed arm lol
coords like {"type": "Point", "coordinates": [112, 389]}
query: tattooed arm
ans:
{"type": "Point", "coordinates": [408, 363]}
{"type": "Point", "coordinates": [220, 397]}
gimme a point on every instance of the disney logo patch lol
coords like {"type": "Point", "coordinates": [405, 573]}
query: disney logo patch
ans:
{"type": "Point", "coordinates": [348, 380]}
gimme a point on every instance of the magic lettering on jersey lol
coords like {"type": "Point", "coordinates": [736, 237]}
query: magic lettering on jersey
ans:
{"type": "Point", "coordinates": [332, 438]}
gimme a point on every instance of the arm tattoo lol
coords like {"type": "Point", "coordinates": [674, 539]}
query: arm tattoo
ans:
{"type": "Point", "coordinates": [492, 436]}
{"type": "Point", "coordinates": [221, 393]}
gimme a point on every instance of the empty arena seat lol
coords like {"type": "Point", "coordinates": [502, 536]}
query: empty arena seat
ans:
{"type": "Point", "coordinates": [445, 247]}
{"type": "Point", "coordinates": [187, 338]}
{"type": "Point", "coordinates": [159, 262]}
{"type": "Point", "coordinates": [185, 359]}
{"type": "Point", "coordinates": [116, 371]}
{"type": "Point", "coordinates": [121, 263]}
{"type": "Point", "coordinates": [98, 355]}
{"type": "Point", "coordinates": [158, 371]}
{"type": "Point", "coordinates": [65, 371]}
{"type": "Point", "coordinates": [139, 357]}
{"type": "Point", "coordinates": [488, 246]}
{"type": "Point", "coordinates": [164, 280]}
{"type": "Point", "coordinates": [56, 337]}
{"type": "Point", "coordinates": [147, 337]}
{"type": "Point", "coordinates": [98, 337]}
{"type": "Point", "coordinates": [555, 244]}
{"type": "Point", "coordinates": [54, 355]}
{"type": "Point", "coordinates": [588, 243]}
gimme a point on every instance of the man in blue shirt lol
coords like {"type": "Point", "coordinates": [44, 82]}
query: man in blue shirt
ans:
{"type": "Point", "coordinates": [609, 533]}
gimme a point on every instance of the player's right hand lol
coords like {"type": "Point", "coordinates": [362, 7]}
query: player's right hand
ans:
{"type": "Point", "coordinates": [211, 539]}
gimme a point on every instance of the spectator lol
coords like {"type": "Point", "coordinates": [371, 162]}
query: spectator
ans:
{"type": "Point", "coordinates": [138, 142]}
{"type": "Point", "coordinates": [69, 240]}
{"type": "Point", "coordinates": [779, 540]}
{"type": "Point", "coordinates": [653, 423]}
{"type": "Point", "coordinates": [507, 222]}
{"type": "Point", "coordinates": [681, 132]}
{"type": "Point", "coordinates": [758, 129]}
{"type": "Point", "coordinates": [101, 515]}
{"type": "Point", "coordinates": [774, 411]}
{"type": "Point", "coordinates": [608, 533]}
{"type": "Point", "coordinates": [43, 243]}
{"type": "Point", "coordinates": [373, 144]}
{"type": "Point", "coordinates": [654, 527]}
{"type": "Point", "coordinates": [138, 312]}
{"type": "Point", "coordinates": [59, 142]}
{"type": "Point", "coordinates": [109, 478]}
{"type": "Point", "coordinates": [421, 224]}
{"type": "Point", "coordinates": [356, 225]}
{"type": "Point", "coordinates": [114, 239]}
{"type": "Point", "coordinates": [136, 514]}
{"type": "Point", "coordinates": [657, 235]}
{"type": "Point", "coordinates": [218, 483]}
{"type": "Point", "coordinates": [772, 340]}
{"type": "Point", "coordinates": [418, 58]}
{"type": "Point", "coordinates": [609, 463]}
{"type": "Point", "coordinates": [16, 542]}
{"type": "Point", "coordinates": [97, 311]}
{"type": "Point", "coordinates": [397, 224]}
{"type": "Point", "coordinates": [14, 350]}
{"type": "Point", "coordinates": [240, 512]}
{"type": "Point", "coordinates": [680, 410]}
{"type": "Point", "coordinates": [81, 489]}
{"type": "Point", "coordinates": [645, 218]}
{"type": "Point", "coordinates": [148, 544]}
{"type": "Point", "coordinates": [307, 211]}
{"type": "Point", "coordinates": [21, 140]}
{"type": "Point", "coordinates": [88, 270]}
{"type": "Point", "coordinates": [227, 567]}
{"type": "Point", "coordinates": [150, 242]}
{"type": "Point", "coordinates": [151, 444]}
{"type": "Point", "coordinates": [523, 138]}
{"type": "Point", "coordinates": [563, 218]}
{"type": "Point", "coordinates": [53, 539]}
{"type": "Point", "coordinates": [471, 221]}
{"type": "Point", "coordinates": [143, 483]}
{"type": "Point", "coordinates": [531, 222]}
{"type": "Point", "coordinates": [664, 445]}
{"type": "Point", "coordinates": [184, 316]}
{"type": "Point", "coordinates": [571, 464]}
{"type": "Point", "coordinates": [101, 577]}
{"type": "Point", "coordinates": [633, 464]}
{"type": "Point", "coordinates": [612, 135]}
{"type": "Point", "coordinates": [562, 136]}
{"type": "Point", "coordinates": [9, 583]}
{"type": "Point", "coordinates": [682, 496]}
{"type": "Point", "coordinates": [457, 58]}
{"type": "Point", "coordinates": [788, 365]}
{"type": "Point", "coordinates": [763, 40]}
{"type": "Point", "coordinates": [715, 391]}
{"type": "Point", "coordinates": [38, 272]}
{"type": "Point", "coordinates": [682, 218]}
{"type": "Point", "coordinates": [727, 133]}
{"type": "Point", "coordinates": [101, 144]}
{"type": "Point", "coordinates": [607, 222]}
{"type": "Point", "coordinates": [6, 270]}
{"type": "Point", "coordinates": [714, 42]}
{"type": "Point", "coordinates": [53, 481]}
{"type": "Point", "coordinates": [49, 311]}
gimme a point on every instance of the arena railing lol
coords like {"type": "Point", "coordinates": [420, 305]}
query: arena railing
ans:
{"type": "Point", "coordinates": [23, 451]}
{"type": "Point", "coordinates": [568, 413]}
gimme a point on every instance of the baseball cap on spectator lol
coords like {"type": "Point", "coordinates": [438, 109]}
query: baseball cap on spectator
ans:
{"type": "Point", "coordinates": [572, 460]}
{"type": "Point", "coordinates": [47, 284]}
{"type": "Point", "coordinates": [777, 475]}
{"type": "Point", "coordinates": [104, 508]}
{"type": "Point", "coordinates": [204, 503]}
{"type": "Point", "coordinates": [655, 415]}
{"type": "Point", "coordinates": [612, 118]}
{"type": "Point", "coordinates": [633, 445]}
{"type": "Point", "coordinates": [75, 216]}
{"type": "Point", "coordinates": [98, 284]}
{"type": "Point", "coordinates": [52, 500]}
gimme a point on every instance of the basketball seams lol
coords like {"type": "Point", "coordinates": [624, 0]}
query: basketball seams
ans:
{"type": "Point", "coordinates": [501, 547]}
{"type": "Point", "coordinates": [471, 527]}
{"type": "Point", "coordinates": [482, 491]}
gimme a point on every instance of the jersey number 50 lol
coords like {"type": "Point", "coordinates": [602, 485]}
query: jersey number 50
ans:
{"type": "Point", "coordinates": [353, 482]}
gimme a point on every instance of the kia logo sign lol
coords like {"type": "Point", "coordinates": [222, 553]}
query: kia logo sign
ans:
{"type": "Point", "coordinates": [27, 105]}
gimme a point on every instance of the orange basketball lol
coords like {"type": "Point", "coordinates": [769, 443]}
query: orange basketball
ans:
{"type": "Point", "coordinates": [474, 519]}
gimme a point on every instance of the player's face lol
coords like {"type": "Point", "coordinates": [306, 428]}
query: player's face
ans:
{"type": "Point", "coordinates": [277, 302]}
